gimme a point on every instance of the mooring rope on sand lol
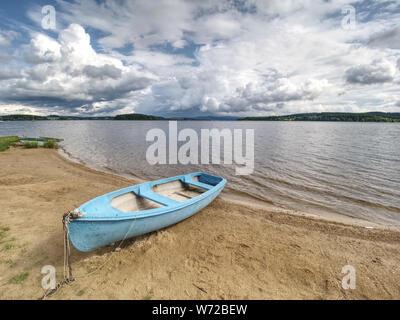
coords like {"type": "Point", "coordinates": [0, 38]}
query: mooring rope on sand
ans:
{"type": "Point", "coordinates": [68, 278]}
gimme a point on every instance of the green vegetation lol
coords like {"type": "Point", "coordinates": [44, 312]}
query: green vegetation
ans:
{"type": "Point", "coordinates": [137, 116]}
{"type": "Point", "coordinates": [134, 116]}
{"type": "Point", "coordinates": [11, 263]}
{"type": "Point", "coordinates": [19, 278]}
{"type": "Point", "coordinates": [22, 117]}
{"type": "Point", "coordinates": [9, 246]}
{"type": "Point", "coordinates": [325, 116]}
{"type": "Point", "coordinates": [4, 238]}
{"type": "Point", "coordinates": [3, 232]}
{"type": "Point", "coordinates": [333, 116]}
{"type": "Point", "coordinates": [80, 293]}
{"type": "Point", "coordinates": [6, 142]}
{"type": "Point", "coordinates": [50, 144]}
{"type": "Point", "coordinates": [56, 117]}
{"type": "Point", "coordinates": [29, 117]}
{"type": "Point", "coordinates": [31, 145]}
{"type": "Point", "coordinates": [32, 139]}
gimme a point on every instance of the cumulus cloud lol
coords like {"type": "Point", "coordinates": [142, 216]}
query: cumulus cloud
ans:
{"type": "Point", "coordinates": [42, 49]}
{"type": "Point", "coordinates": [219, 92]}
{"type": "Point", "coordinates": [379, 71]}
{"type": "Point", "coordinates": [68, 72]}
{"type": "Point", "coordinates": [272, 96]}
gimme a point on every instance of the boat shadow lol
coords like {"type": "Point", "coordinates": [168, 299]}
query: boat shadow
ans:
{"type": "Point", "coordinates": [50, 251]}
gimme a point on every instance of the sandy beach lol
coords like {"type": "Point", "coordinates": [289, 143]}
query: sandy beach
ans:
{"type": "Point", "coordinates": [229, 250]}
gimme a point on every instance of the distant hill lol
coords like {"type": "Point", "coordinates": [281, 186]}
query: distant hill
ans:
{"type": "Point", "coordinates": [332, 116]}
{"type": "Point", "coordinates": [137, 116]}
{"type": "Point", "coordinates": [56, 117]}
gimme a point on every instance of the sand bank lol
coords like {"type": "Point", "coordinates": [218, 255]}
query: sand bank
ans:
{"type": "Point", "coordinates": [226, 251]}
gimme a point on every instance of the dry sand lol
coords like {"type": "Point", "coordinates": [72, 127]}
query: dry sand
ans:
{"type": "Point", "coordinates": [226, 251]}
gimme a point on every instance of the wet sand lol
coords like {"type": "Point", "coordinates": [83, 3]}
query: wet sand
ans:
{"type": "Point", "coordinates": [229, 250]}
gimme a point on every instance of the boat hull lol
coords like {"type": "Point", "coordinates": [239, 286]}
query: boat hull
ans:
{"type": "Point", "coordinates": [89, 235]}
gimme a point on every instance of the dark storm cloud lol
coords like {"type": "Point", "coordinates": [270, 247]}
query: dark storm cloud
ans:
{"type": "Point", "coordinates": [386, 39]}
{"type": "Point", "coordinates": [28, 92]}
{"type": "Point", "coordinates": [378, 72]}
{"type": "Point", "coordinates": [5, 57]}
{"type": "Point", "coordinates": [106, 71]}
{"type": "Point", "coordinates": [6, 74]}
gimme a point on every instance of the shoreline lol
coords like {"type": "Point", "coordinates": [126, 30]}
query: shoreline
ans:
{"type": "Point", "coordinates": [246, 199]}
{"type": "Point", "coordinates": [231, 250]}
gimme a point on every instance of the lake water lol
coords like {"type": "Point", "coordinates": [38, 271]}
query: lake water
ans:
{"type": "Point", "coordinates": [351, 169]}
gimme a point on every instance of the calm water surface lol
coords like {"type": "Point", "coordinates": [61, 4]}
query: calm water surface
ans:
{"type": "Point", "coordinates": [351, 169]}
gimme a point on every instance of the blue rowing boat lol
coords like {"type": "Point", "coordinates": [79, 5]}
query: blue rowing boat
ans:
{"type": "Point", "coordinates": [140, 209]}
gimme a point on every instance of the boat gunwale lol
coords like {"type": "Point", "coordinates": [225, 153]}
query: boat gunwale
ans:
{"type": "Point", "coordinates": [150, 212]}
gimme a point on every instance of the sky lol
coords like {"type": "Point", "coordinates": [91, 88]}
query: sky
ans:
{"type": "Point", "coordinates": [199, 57]}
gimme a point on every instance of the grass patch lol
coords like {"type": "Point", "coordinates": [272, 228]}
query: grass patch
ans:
{"type": "Point", "coordinates": [11, 263]}
{"type": "Point", "coordinates": [9, 246]}
{"type": "Point", "coordinates": [19, 278]}
{"type": "Point", "coordinates": [6, 142]}
{"type": "Point", "coordinates": [50, 144]}
{"type": "Point", "coordinates": [149, 295]}
{"type": "Point", "coordinates": [3, 232]}
{"type": "Point", "coordinates": [80, 293]}
{"type": "Point", "coordinates": [31, 145]}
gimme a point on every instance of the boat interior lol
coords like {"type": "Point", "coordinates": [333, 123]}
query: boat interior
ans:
{"type": "Point", "coordinates": [164, 194]}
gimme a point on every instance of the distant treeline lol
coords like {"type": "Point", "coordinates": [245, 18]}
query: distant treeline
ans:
{"type": "Point", "coordinates": [28, 117]}
{"type": "Point", "coordinates": [332, 116]}
{"type": "Point", "coordinates": [325, 116]}
{"type": "Point", "coordinates": [24, 117]}
{"type": "Point", "coordinates": [132, 116]}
